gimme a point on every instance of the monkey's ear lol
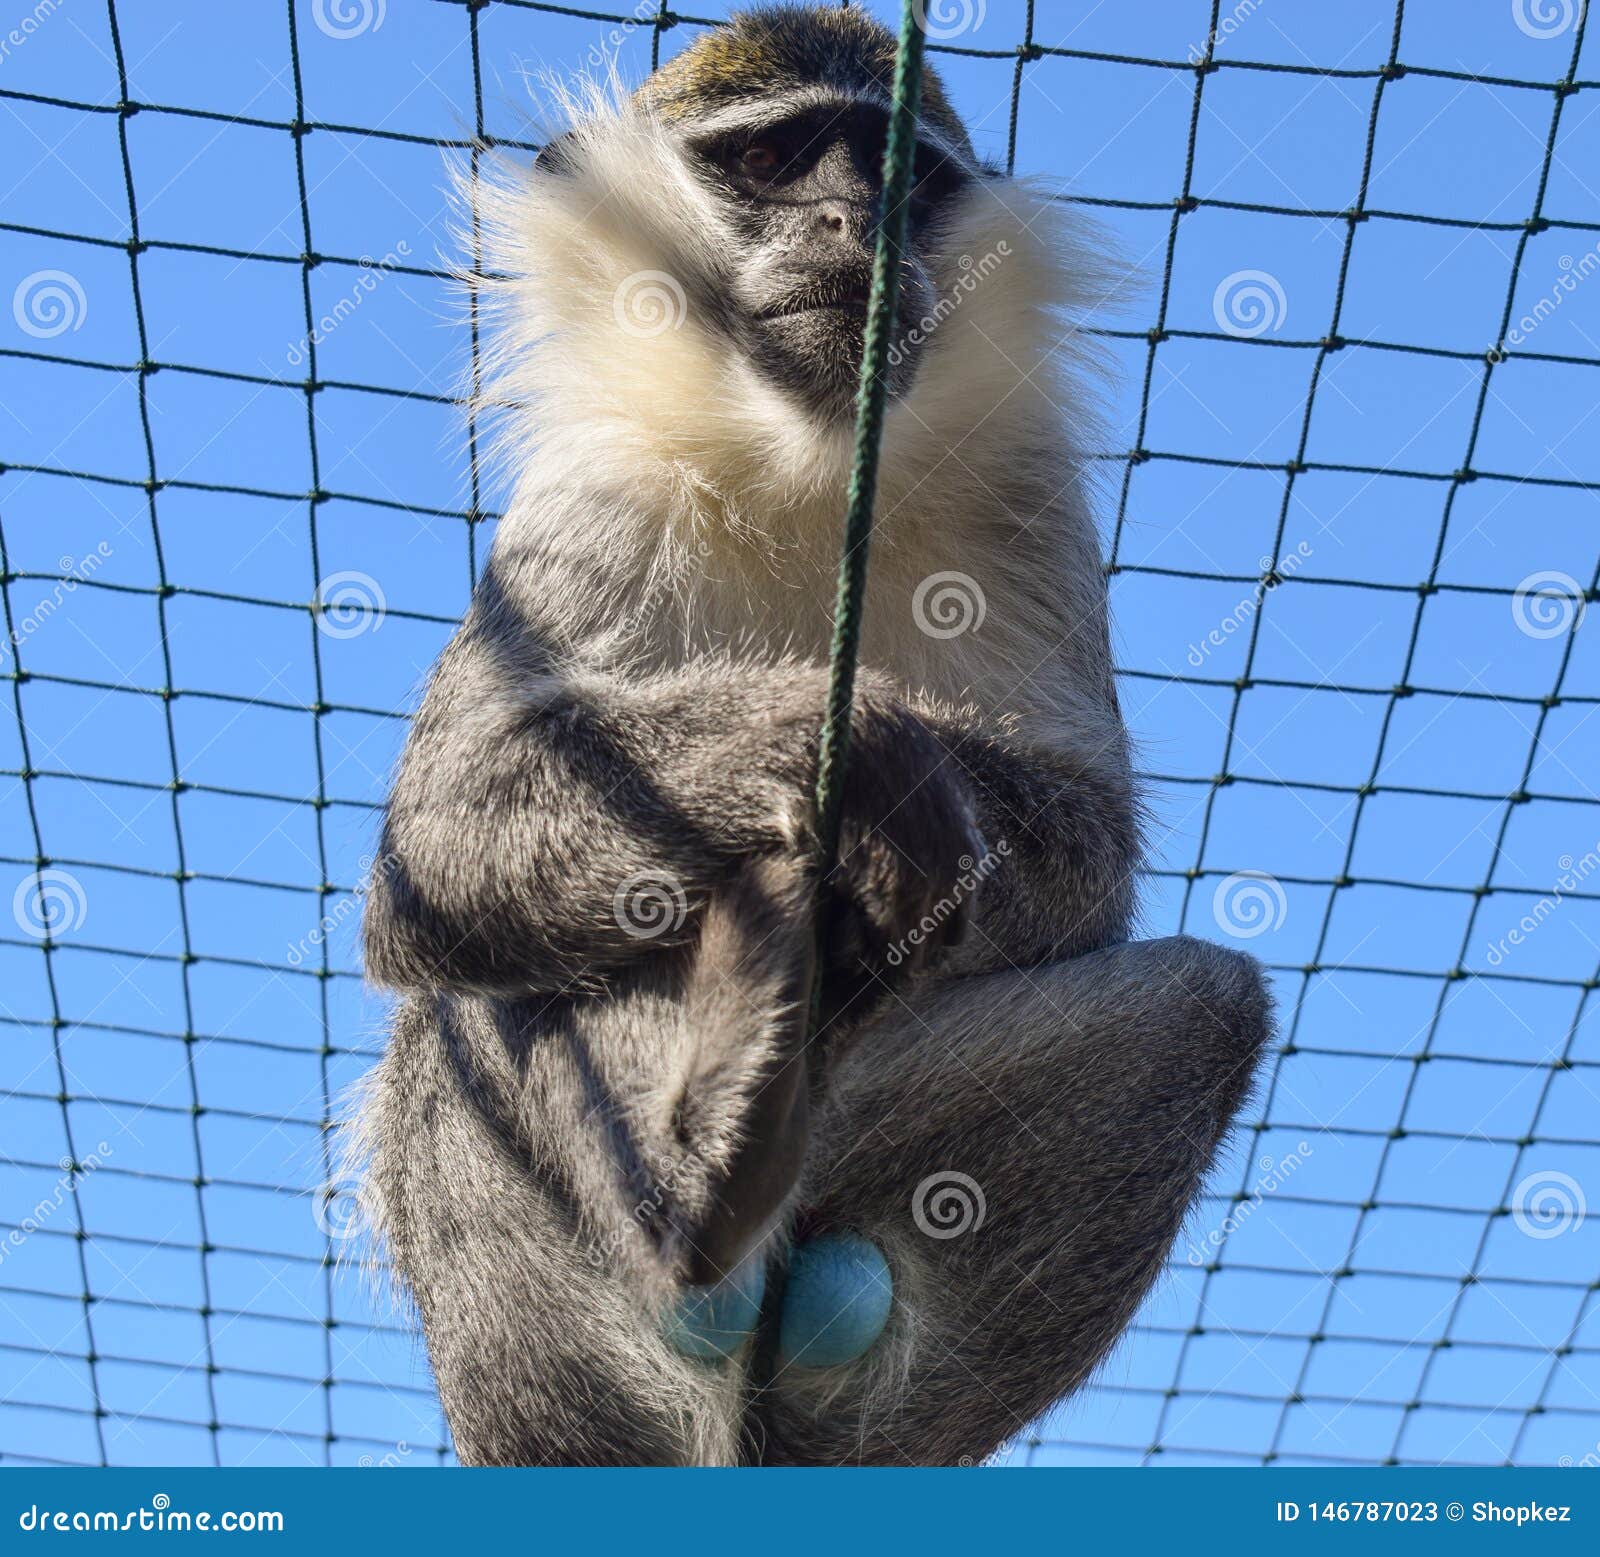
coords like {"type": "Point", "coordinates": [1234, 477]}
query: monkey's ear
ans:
{"type": "Point", "coordinates": [558, 154]}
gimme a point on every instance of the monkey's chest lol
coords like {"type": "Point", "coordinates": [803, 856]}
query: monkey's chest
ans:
{"type": "Point", "coordinates": [936, 631]}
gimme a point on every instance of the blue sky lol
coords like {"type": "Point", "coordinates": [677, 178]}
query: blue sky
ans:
{"type": "Point", "coordinates": [1364, 834]}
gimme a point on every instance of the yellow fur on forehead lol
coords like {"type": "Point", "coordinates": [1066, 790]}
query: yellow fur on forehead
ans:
{"type": "Point", "coordinates": [777, 47]}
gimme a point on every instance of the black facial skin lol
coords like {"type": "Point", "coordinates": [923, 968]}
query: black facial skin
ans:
{"type": "Point", "coordinates": [805, 194]}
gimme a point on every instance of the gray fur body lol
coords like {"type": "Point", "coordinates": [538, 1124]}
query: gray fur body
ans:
{"type": "Point", "coordinates": [577, 1102]}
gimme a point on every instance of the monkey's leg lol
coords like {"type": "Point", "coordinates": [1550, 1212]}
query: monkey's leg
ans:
{"type": "Point", "coordinates": [544, 1350]}
{"type": "Point", "coordinates": [1083, 1101]}
{"type": "Point", "coordinates": [546, 1177]}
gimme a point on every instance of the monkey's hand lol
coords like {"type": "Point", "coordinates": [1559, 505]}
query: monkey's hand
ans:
{"type": "Point", "coordinates": [903, 891]}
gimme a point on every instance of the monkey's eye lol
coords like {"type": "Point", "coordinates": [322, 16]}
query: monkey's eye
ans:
{"type": "Point", "coordinates": [759, 157]}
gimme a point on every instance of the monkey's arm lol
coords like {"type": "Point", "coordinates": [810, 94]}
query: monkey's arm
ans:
{"type": "Point", "coordinates": [549, 826]}
{"type": "Point", "coordinates": [1061, 819]}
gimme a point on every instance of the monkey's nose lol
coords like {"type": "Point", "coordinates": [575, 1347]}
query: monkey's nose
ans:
{"type": "Point", "coordinates": [834, 218]}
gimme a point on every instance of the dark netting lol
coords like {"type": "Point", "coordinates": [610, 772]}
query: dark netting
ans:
{"type": "Point", "coordinates": [201, 1358]}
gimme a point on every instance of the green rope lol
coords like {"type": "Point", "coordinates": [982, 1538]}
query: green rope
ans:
{"type": "Point", "coordinates": [871, 403]}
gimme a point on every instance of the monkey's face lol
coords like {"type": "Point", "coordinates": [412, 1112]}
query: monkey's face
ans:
{"type": "Point", "coordinates": [802, 194]}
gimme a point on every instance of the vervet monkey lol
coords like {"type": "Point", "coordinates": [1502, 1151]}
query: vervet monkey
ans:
{"type": "Point", "coordinates": [596, 884]}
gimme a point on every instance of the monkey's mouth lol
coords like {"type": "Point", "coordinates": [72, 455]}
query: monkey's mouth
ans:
{"type": "Point", "coordinates": [847, 297]}
{"type": "Point", "coordinates": [808, 336]}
